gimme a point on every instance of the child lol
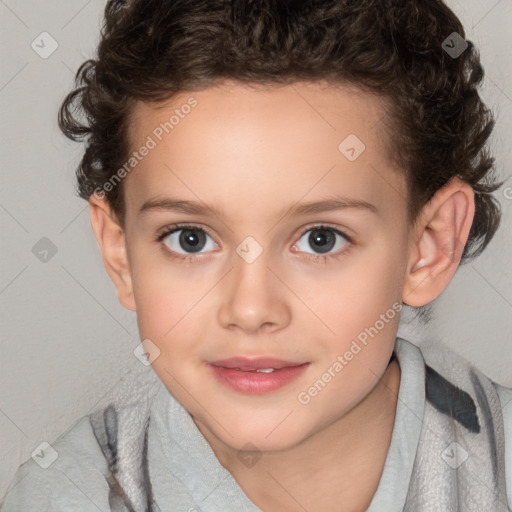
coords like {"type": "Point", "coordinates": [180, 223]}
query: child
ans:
{"type": "Point", "coordinates": [226, 141]}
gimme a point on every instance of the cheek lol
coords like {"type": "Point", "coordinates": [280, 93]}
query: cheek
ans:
{"type": "Point", "coordinates": [363, 291]}
{"type": "Point", "coordinates": [162, 295]}
{"type": "Point", "coordinates": [380, 268]}
{"type": "Point", "coordinates": [377, 285]}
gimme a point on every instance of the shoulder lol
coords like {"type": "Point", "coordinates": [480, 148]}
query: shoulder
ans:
{"type": "Point", "coordinates": [456, 387]}
{"type": "Point", "coordinates": [505, 396]}
{"type": "Point", "coordinates": [67, 475]}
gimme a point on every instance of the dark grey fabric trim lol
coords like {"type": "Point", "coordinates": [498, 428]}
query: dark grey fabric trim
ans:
{"type": "Point", "coordinates": [106, 433]}
{"type": "Point", "coordinates": [451, 400]}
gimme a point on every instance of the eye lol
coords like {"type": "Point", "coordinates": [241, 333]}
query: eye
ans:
{"type": "Point", "coordinates": [323, 239]}
{"type": "Point", "coordinates": [186, 240]}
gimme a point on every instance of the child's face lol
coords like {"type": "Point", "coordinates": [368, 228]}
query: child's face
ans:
{"type": "Point", "coordinates": [254, 156]}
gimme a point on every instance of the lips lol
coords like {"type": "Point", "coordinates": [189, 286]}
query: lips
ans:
{"type": "Point", "coordinates": [256, 376]}
{"type": "Point", "coordinates": [246, 365]}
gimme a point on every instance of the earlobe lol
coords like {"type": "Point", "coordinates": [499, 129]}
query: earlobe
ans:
{"type": "Point", "coordinates": [439, 237]}
{"type": "Point", "coordinates": [112, 242]}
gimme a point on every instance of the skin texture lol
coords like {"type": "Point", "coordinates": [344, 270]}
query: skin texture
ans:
{"type": "Point", "coordinates": [252, 154]}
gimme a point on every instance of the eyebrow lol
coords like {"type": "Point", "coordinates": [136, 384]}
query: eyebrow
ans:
{"type": "Point", "coordinates": [198, 208]}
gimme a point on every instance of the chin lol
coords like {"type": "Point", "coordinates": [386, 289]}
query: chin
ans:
{"type": "Point", "coordinates": [262, 444]}
{"type": "Point", "coordinates": [266, 437]}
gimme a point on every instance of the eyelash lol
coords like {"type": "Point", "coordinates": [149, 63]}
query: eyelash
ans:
{"type": "Point", "coordinates": [316, 258]}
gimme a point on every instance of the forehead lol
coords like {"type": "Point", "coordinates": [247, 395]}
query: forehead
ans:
{"type": "Point", "coordinates": [325, 106]}
{"type": "Point", "coordinates": [232, 139]}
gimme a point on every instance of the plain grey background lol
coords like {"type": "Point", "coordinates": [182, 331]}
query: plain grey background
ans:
{"type": "Point", "coordinates": [65, 340]}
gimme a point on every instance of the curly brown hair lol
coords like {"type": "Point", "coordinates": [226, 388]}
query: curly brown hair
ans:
{"type": "Point", "coordinates": [152, 49]}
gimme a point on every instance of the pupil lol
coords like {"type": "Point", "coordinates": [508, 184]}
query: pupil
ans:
{"type": "Point", "coordinates": [190, 237]}
{"type": "Point", "coordinates": [323, 238]}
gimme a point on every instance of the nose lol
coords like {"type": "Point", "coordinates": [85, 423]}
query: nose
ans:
{"type": "Point", "coordinates": [253, 298]}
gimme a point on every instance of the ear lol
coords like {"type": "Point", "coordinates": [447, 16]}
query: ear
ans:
{"type": "Point", "coordinates": [439, 237]}
{"type": "Point", "coordinates": [111, 239]}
